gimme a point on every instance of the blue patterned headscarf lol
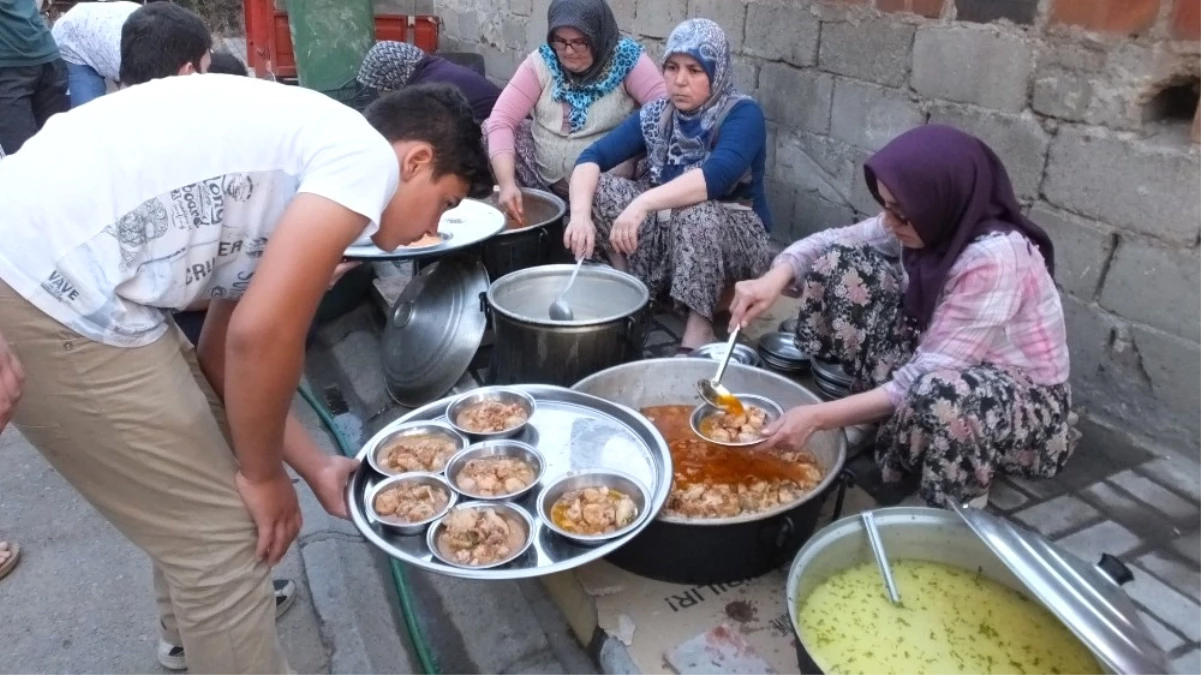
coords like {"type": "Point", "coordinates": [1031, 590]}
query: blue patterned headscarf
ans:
{"type": "Point", "coordinates": [613, 56]}
{"type": "Point", "coordinates": [677, 140]}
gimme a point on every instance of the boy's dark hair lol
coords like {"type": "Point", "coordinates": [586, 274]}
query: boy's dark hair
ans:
{"type": "Point", "coordinates": [160, 38]}
{"type": "Point", "coordinates": [224, 62]}
{"type": "Point", "coordinates": [439, 115]}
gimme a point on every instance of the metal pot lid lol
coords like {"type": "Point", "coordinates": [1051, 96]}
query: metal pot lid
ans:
{"type": "Point", "coordinates": [782, 346]}
{"type": "Point", "coordinates": [1088, 599]}
{"type": "Point", "coordinates": [434, 330]}
{"type": "Point", "coordinates": [599, 295]}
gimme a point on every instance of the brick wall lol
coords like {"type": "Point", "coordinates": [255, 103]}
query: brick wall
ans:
{"type": "Point", "coordinates": [1066, 91]}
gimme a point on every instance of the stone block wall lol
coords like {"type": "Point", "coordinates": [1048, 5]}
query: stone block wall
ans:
{"type": "Point", "coordinates": [1089, 103]}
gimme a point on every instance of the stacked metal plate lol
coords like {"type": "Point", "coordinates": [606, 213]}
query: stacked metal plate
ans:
{"type": "Point", "coordinates": [780, 353]}
{"type": "Point", "coordinates": [831, 379]}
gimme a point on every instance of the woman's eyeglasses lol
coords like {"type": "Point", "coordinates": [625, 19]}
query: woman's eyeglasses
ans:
{"type": "Point", "coordinates": [897, 215]}
{"type": "Point", "coordinates": [577, 45]}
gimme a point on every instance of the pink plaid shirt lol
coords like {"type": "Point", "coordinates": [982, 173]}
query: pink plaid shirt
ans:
{"type": "Point", "coordinates": [999, 306]}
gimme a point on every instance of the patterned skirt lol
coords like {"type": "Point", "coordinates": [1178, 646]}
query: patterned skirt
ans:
{"type": "Point", "coordinates": [955, 429]}
{"type": "Point", "coordinates": [695, 255]}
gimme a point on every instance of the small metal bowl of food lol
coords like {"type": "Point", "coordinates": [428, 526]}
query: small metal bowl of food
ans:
{"type": "Point", "coordinates": [736, 431]}
{"type": "Point", "coordinates": [422, 447]}
{"type": "Point", "coordinates": [592, 507]}
{"type": "Point", "coordinates": [491, 412]}
{"type": "Point", "coordinates": [408, 503]}
{"type": "Point", "coordinates": [481, 535]}
{"type": "Point", "coordinates": [501, 469]}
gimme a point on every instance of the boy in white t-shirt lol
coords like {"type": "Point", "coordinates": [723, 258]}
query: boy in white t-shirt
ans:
{"type": "Point", "coordinates": [181, 196]}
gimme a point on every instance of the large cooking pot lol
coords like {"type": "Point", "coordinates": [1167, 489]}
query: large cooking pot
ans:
{"type": "Point", "coordinates": [528, 347]}
{"type": "Point", "coordinates": [1086, 598]}
{"type": "Point", "coordinates": [718, 550]}
{"type": "Point", "coordinates": [540, 242]}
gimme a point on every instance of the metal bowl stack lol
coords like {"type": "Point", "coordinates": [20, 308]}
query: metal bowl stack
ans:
{"type": "Point", "coordinates": [780, 353]}
{"type": "Point", "coordinates": [831, 379]}
{"type": "Point", "coordinates": [717, 351]}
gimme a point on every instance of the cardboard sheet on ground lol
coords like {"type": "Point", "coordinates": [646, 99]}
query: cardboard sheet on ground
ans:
{"type": "Point", "coordinates": [721, 628]}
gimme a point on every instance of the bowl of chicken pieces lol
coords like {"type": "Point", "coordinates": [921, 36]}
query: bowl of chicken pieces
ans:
{"type": "Point", "coordinates": [736, 428]}
{"type": "Point", "coordinates": [424, 447]}
{"type": "Point", "coordinates": [480, 535]}
{"type": "Point", "coordinates": [491, 412]}
{"type": "Point", "coordinates": [407, 504]}
{"type": "Point", "coordinates": [592, 507]}
{"type": "Point", "coordinates": [503, 469]}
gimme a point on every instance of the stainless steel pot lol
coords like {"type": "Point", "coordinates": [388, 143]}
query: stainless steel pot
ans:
{"type": "Point", "coordinates": [539, 243]}
{"type": "Point", "coordinates": [1086, 598]}
{"type": "Point", "coordinates": [612, 320]}
{"type": "Point", "coordinates": [717, 550]}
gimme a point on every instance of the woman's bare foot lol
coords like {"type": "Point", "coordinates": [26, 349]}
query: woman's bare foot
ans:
{"type": "Point", "coordinates": [698, 331]}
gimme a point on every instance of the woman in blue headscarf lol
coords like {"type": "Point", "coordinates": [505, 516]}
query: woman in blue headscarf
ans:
{"type": "Point", "coordinates": [698, 221]}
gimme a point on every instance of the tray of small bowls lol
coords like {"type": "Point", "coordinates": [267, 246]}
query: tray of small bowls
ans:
{"type": "Point", "coordinates": [509, 482]}
{"type": "Point", "coordinates": [736, 430]}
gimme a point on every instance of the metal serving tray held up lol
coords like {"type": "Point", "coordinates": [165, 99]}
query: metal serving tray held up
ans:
{"type": "Point", "coordinates": [574, 431]}
{"type": "Point", "coordinates": [471, 222]}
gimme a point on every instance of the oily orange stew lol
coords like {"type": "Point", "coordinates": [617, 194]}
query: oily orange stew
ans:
{"type": "Point", "coordinates": [712, 481]}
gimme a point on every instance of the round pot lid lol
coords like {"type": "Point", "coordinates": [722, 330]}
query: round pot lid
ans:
{"type": "Point", "coordinates": [434, 330]}
{"type": "Point", "coordinates": [783, 347]}
{"type": "Point", "coordinates": [1087, 598]}
{"type": "Point", "coordinates": [599, 295]}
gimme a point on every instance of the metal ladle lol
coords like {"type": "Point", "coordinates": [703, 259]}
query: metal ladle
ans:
{"type": "Point", "coordinates": [559, 309]}
{"type": "Point", "coordinates": [877, 545]}
{"type": "Point", "coordinates": [713, 391]}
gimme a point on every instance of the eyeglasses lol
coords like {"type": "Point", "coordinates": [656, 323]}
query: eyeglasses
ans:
{"type": "Point", "coordinates": [577, 45]}
{"type": "Point", "coordinates": [897, 216]}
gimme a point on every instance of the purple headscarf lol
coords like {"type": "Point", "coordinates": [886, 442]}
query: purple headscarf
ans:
{"type": "Point", "coordinates": [952, 188]}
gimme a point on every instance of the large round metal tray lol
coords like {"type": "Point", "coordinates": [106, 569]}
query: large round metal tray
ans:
{"type": "Point", "coordinates": [573, 431]}
{"type": "Point", "coordinates": [471, 222]}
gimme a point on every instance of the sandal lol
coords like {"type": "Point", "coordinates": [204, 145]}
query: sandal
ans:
{"type": "Point", "coordinates": [684, 351]}
{"type": "Point", "coordinates": [14, 555]}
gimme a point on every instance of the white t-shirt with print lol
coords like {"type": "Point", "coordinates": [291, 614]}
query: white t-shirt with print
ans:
{"type": "Point", "coordinates": [89, 34]}
{"type": "Point", "coordinates": [166, 193]}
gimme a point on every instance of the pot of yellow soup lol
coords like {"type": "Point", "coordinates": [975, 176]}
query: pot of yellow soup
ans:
{"type": "Point", "coordinates": [978, 595]}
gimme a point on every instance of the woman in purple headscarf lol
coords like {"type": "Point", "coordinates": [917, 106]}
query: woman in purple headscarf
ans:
{"type": "Point", "coordinates": [943, 311]}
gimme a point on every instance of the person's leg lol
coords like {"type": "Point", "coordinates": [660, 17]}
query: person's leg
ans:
{"type": "Point", "coordinates": [957, 428]}
{"type": "Point", "coordinates": [525, 163]}
{"type": "Point", "coordinates": [50, 97]}
{"type": "Point", "coordinates": [17, 121]}
{"type": "Point", "coordinates": [711, 248]}
{"type": "Point", "coordinates": [851, 313]}
{"type": "Point", "coordinates": [134, 434]}
{"type": "Point", "coordinates": [612, 196]}
{"type": "Point", "coordinates": [83, 84]}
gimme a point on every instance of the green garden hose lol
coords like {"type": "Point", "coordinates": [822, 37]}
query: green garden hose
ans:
{"type": "Point", "coordinates": [425, 653]}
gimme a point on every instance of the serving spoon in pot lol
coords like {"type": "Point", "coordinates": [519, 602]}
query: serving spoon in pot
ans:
{"type": "Point", "coordinates": [559, 309]}
{"type": "Point", "coordinates": [877, 546]}
{"type": "Point", "coordinates": [713, 391]}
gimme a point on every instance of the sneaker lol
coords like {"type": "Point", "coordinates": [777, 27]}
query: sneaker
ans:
{"type": "Point", "coordinates": [172, 657]}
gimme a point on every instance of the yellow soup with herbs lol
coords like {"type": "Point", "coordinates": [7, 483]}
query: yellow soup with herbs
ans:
{"type": "Point", "coordinates": [950, 621]}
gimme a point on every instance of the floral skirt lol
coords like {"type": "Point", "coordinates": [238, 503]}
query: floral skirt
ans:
{"type": "Point", "coordinates": [693, 257]}
{"type": "Point", "coordinates": [955, 429]}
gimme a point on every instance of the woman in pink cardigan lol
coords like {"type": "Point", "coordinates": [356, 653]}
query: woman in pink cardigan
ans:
{"type": "Point", "coordinates": [574, 89]}
{"type": "Point", "coordinates": [944, 312]}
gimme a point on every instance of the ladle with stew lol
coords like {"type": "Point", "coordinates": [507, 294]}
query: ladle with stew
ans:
{"type": "Point", "coordinates": [713, 391]}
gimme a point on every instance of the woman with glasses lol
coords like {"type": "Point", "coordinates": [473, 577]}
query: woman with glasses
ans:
{"type": "Point", "coordinates": [574, 89]}
{"type": "Point", "coordinates": [944, 312]}
{"type": "Point", "coordinates": [699, 220]}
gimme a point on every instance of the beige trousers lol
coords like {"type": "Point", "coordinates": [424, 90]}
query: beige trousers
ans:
{"type": "Point", "coordinates": [141, 435]}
